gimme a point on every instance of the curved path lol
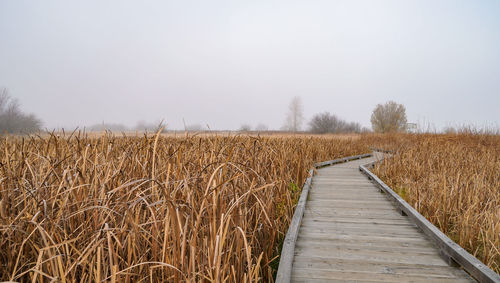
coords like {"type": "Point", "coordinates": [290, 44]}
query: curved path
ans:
{"type": "Point", "coordinates": [352, 232]}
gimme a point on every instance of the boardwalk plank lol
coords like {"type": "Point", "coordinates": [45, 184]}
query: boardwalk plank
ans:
{"type": "Point", "coordinates": [376, 267]}
{"type": "Point", "coordinates": [386, 256]}
{"type": "Point", "coordinates": [376, 243]}
{"type": "Point", "coordinates": [352, 213]}
{"type": "Point", "coordinates": [365, 237]}
{"type": "Point", "coordinates": [361, 246]}
{"type": "Point", "coordinates": [348, 225]}
{"type": "Point", "coordinates": [305, 275]}
{"type": "Point", "coordinates": [393, 221]}
{"type": "Point", "coordinates": [351, 232]}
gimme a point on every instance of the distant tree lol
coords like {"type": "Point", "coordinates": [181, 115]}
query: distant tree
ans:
{"type": "Point", "coordinates": [108, 127]}
{"type": "Point", "coordinates": [353, 127]}
{"type": "Point", "coordinates": [261, 127]}
{"type": "Point", "coordinates": [365, 130]}
{"type": "Point", "coordinates": [325, 123]}
{"type": "Point", "coordinates": [449, 130]}
{"type": "Point", "coordinates": [329, 123]}
{"type": "Point", "coordinates": [12, 119]}
{"type": "Point", "coordinates": [295, 115]}
{"type": "Point", "coordinates": [150, 127]}
{"type": "Point", "coordinates": [245, 128]}
{"type": "Point", "coordinates": [390, 117]}
{"type": "Point", "coordinates": [194, 128]}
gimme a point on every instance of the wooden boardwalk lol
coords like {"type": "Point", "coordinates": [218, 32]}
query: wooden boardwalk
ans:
{"type": "Point", "coordinates": [352, 232]}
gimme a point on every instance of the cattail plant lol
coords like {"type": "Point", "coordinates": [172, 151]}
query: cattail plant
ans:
{"type": "Point", "coordinates": [152, 207]}
{"type": "Point", "coordinates": [452, 180]}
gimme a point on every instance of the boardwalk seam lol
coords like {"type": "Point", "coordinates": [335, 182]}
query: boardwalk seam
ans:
{"type": "Point", "coordinates": [287, 252]}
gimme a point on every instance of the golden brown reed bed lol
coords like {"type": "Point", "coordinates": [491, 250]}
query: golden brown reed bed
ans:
{"type": "Point", "coordinates": [454, 181]}
{"type": "Point", "coordinates": [151, 208]}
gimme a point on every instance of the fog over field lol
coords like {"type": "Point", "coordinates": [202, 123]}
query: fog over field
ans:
{"type": "Point", "coordinates": [228, 63]}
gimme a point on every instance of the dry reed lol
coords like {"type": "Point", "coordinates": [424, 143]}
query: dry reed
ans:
{"type": "Point", "coordinates": [127, 209]}
{"type": "Point", "coordinates": [454, 181]}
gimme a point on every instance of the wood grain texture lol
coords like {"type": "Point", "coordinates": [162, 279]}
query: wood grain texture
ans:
{"type": "Point", "coordinates": [350, 231]}
{"type": "Point", "coordinates": [287, 252]}
{"type": "Point", "coordinates": [449, 250]}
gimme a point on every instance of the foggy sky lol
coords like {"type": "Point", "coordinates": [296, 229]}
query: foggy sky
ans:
{"type": "Point", "coordinates": [225, 63]}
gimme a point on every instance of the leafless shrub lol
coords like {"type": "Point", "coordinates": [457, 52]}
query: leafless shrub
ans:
{"type": "Point", "coordinates": [13, 120]}
{"type": "Point", "coordinates": [325, 122]}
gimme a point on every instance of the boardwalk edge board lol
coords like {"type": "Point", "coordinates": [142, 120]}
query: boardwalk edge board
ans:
{"type": "Point", "coordinates": [453, 253]}
{"type": "Point", "coordinates": [287, 252]}
{"type": "Point", "coordinates": [340, 160]}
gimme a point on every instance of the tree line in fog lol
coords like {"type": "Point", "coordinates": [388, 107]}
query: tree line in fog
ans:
{"type": "Point", "coordinates": [12, 119]}
{"type": "Point", "coordinates": [385, 118]}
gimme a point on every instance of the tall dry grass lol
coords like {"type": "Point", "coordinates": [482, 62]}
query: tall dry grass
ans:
{"type": "Point", "coordinates": [128, 209]}
{"type": "Point", "coordinates": [454, 181]}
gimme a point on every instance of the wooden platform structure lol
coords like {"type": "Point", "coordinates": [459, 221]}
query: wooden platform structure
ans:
{"type": "Point", "coordinates": [350, 231]}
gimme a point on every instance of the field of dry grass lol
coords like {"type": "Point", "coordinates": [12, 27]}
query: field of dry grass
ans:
{"type": "Point", "coordinates": [212, 207]}
{"type": "Point", "coordinates": [127, 209]}
{"type": "Point", "coordinates": [454, 181]}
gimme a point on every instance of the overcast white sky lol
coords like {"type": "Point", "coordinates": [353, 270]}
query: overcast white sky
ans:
{"type": "Point", "coordinates": [225, 63]}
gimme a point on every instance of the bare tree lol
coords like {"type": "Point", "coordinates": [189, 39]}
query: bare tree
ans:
{"type": "Point", "coordinates": [329, 123]}
{"type": "Point", "coordinates": [12, 119]}
{"type": "Point", "coordinates": [325, 123]}
{"type": "Point", "coordinates": [295, 115]}
{"type": "Point", "coordinates": [390, 117]}
{"type": "Point", "coordinates": [245, 128]}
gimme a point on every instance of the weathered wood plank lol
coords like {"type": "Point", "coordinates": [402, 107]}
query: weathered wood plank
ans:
{"type": "Point", "coordinates": [349, 203]}
{"type": "Point", "coordinates": [388, 257]}
{"type": "Point", "coordinates": [345, 182]}
{"type": "Point", "coordinates": [340, 176]}
{"type": "Point", "coordinates": [449, 249]}
{"type": "Point", "coordinates": [367, 238]}
{"type": "Point", "coordinates": [334, 187]}
{"type": "Point", "coordinates": [311, 222]}
{"type": "Point", "coordinates": [387, 243]}
{"type": "Point", "coordinates": [324, 206]}
{"type": "Point", "coordinates": [352, 213]}
{"type": "Point", "coordinates": [351, 231]}
{"type": "Point", "coordinates": [287, 252]}
{"type": "Point", "coordinates": [361, 246]}
{"type": "Point", "coordinates": [344, 196]}
{"type": "Point", "coordinates": [408, 233]}
{"type": "Point", "coordinates": [339, 210]}
{"type": "Point", "coordinates": [308, 274]}
{"type": "Point", "coordinates": [337, 251]}
{"type": "Point", "coordinates": [434, 273]}
{"type": "Point", "coordinates": [376, 267]}
{"type": "Point", "coordinates": [352, 194]}
{"type": "Point", "coordinates": [333, 280]}
{"type": "Point", "coordinates": [392, 221]}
